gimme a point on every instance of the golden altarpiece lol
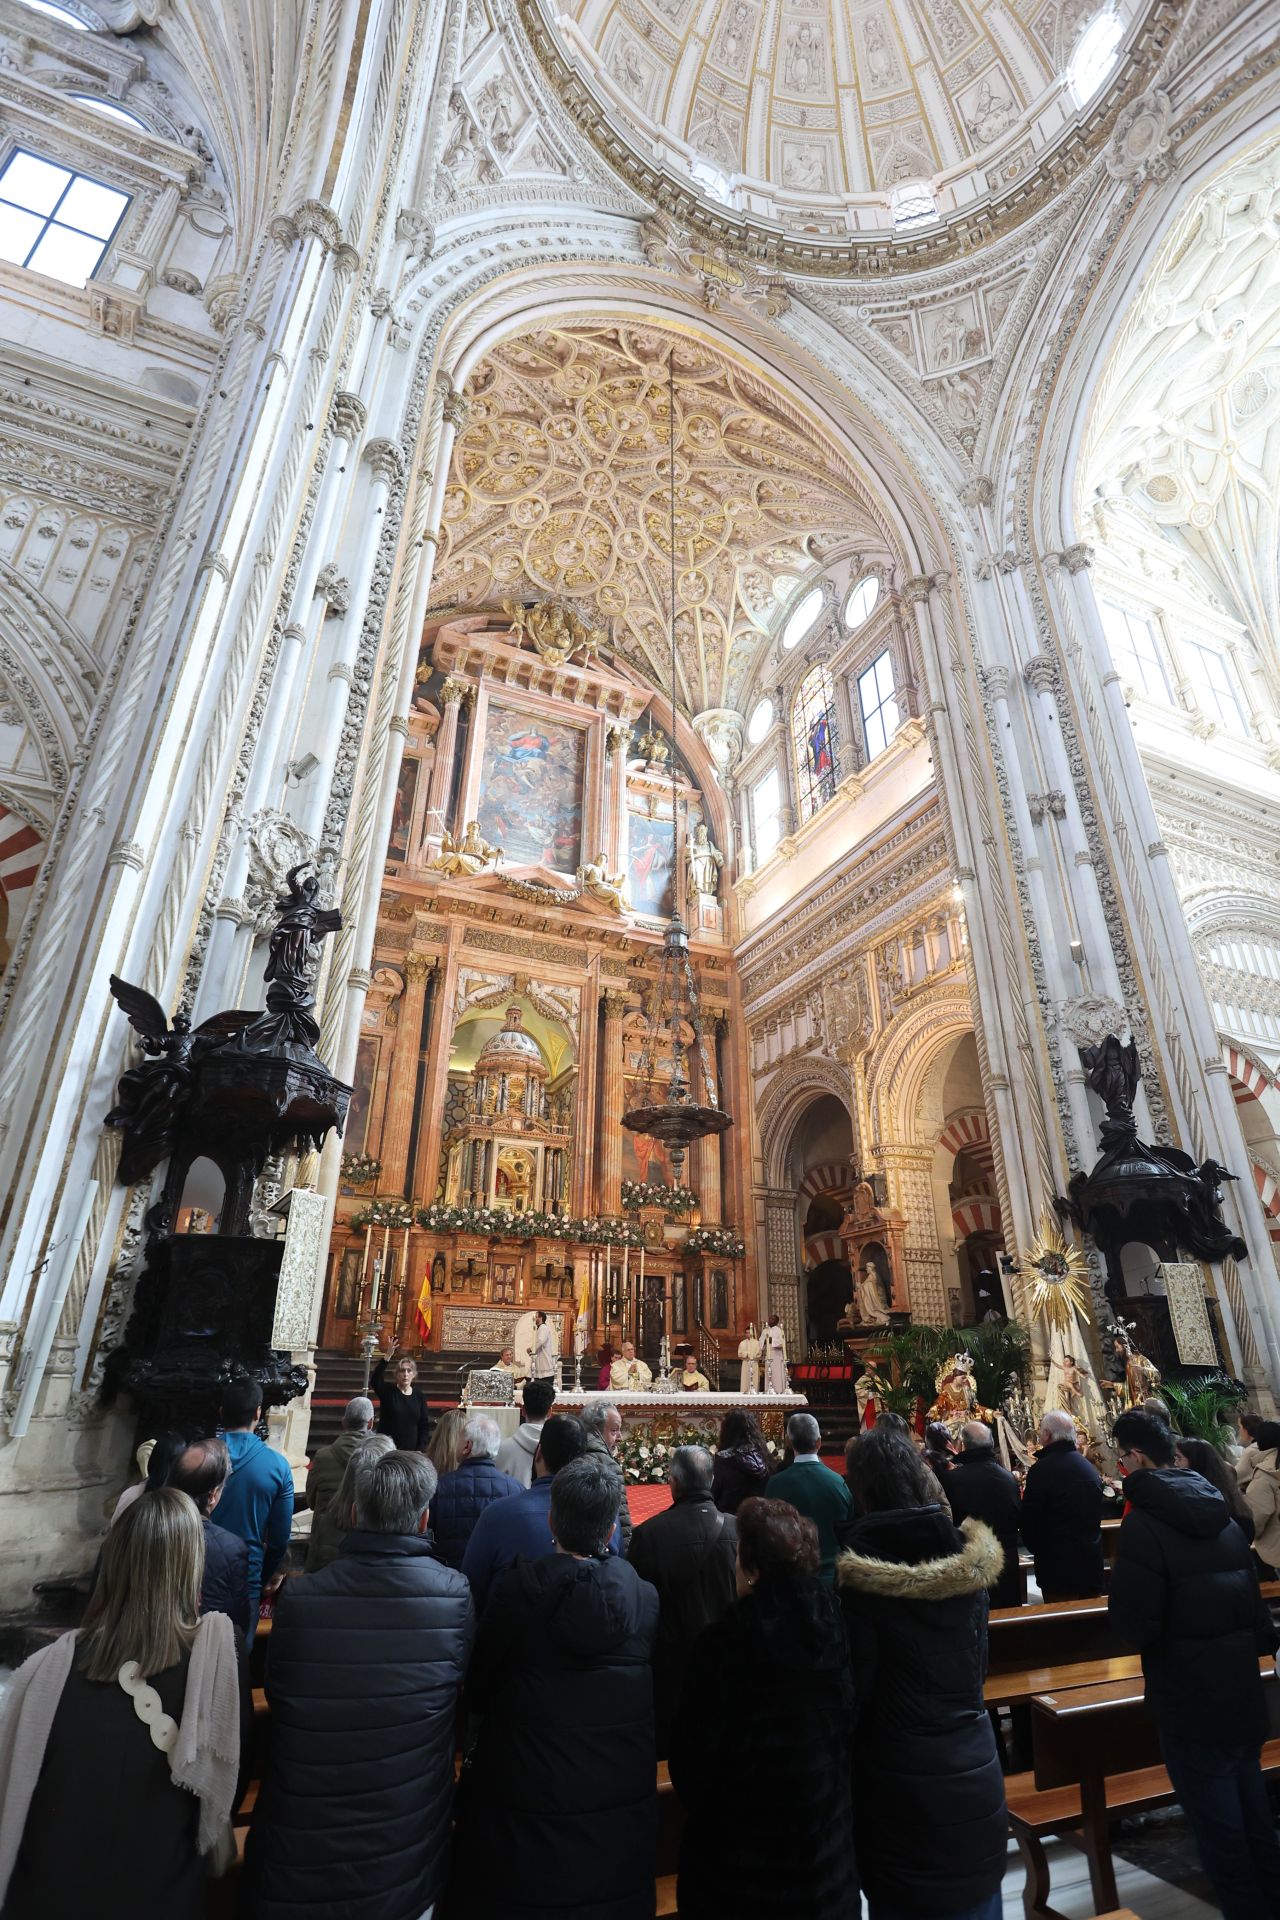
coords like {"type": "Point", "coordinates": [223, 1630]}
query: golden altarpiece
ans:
{"type": "Point", "coordinates": [529, 877]}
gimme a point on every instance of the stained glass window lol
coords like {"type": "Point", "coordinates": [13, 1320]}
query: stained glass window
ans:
{"type": "Point", "coordinates": [813, 735]}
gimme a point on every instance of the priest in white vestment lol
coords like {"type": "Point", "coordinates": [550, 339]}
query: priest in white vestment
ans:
{"type": "Point", "coordinates": [775, 1357]}
{"type": "Point", "coordinates": [627, 1374]}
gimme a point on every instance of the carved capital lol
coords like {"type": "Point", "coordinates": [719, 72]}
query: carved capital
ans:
{"type": "Point", "coordinates": [615, 1004]}
{"type": "Point", "coordinates": [314, 221]}
{"type": "Point", "coordinates": [997, 680]}
{"type": "Point", "coordinates": [1039, 673]}
{"type": "Point", "coordinates": [1077, 557]}
{"type": "Point", "coordinates": [360, 978]}
{"type": "Point", "coordinates": [386, 460]}
{"type": "Point", "coordinates": [978, 492]}
{"type": "Point", "coordinates": [618, 735]}
{"type": "Point", "coordinates": [993, 563]}
{"type": "Point", "coordinates": [454, 690]}
{"type": "Point", "coordinates": [349, 415]}
{"type": "Point", "coordinates": [418, 229]}
{"type": "Point", "coordinates": [127, 853]}
{"type": "Point", "coordinates": [418, 965]}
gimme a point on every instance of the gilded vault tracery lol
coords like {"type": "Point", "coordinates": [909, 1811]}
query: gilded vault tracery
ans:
{"type": "Point", "coordinates": [559, 485]}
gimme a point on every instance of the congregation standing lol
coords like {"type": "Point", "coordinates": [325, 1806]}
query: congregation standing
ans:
{"type": "Point", "coordinates": [807, 1652]}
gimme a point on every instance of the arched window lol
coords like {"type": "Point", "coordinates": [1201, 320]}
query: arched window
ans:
{"type": "Point", "coordinates": [813, 737]}
{"type": "Point", "coordinates": [803, 619]}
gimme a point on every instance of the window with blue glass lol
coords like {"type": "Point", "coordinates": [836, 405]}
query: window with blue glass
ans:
{"type": "Point", "coordinates": [813, 732]}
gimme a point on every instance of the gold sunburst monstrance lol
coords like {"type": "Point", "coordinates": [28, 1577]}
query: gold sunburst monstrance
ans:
{"type": "Point", "coordinates": [1059, 1276]}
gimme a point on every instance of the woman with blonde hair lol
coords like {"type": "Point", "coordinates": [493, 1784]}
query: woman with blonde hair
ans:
{"type": "Point", "coordinates": [334, 1521]}
{"type": "Point", "coordinates": [445, 1450]}
{"type": "Point", "coordinates": [130, 1730]}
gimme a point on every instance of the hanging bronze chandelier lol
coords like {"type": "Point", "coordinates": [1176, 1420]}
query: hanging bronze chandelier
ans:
{"type": "Point", "coordinates": [678, 1103]}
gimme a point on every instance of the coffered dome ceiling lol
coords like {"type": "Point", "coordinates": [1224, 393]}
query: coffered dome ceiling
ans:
{"type": "Point", "coordinates": [559, 485]}
{"type": "Point", "coordinates": [810, 113]}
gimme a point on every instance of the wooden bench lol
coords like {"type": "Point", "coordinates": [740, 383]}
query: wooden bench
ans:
{"type": "Point", "coordinates": [1024, 1684]}
{"type": "Point", "coordinates": [1049, 1634]}
{"type": "Point", "coordinates": [1096, 1757]}
{"type": "Point", "coordinates": [1056, 1632]}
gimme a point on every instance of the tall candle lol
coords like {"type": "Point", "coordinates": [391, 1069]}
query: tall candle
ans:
{"type": "Point", "coordinates": [364, 1264]}
{"type": "Point", "coordinates": [625, 1281]}
{"type": "Point", "coordinates": [377, 1285]}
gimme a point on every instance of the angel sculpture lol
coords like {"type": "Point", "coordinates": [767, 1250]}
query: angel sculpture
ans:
{"type": "Point", "coordinates": [151, 1098]}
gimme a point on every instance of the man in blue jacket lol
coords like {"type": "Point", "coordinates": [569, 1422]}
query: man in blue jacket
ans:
{"type": "Point", "coordinates": [474, 1484]}
{"type": "Point", "coordinates": [257, 1500]}
{"type": "Point", "coordinates": [520, 1528]}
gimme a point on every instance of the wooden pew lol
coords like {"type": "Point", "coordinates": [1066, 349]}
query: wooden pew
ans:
{"type": "Point", "coordinates": [1056, 1632]}
{"type": "Point", "coordinates": [1096, 1756]}
{"type": "Point", "coordinates": [1021, 1686]}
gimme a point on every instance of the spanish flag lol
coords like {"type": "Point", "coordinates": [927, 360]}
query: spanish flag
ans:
{"type": "Point", "coordinates": [424, 1303]}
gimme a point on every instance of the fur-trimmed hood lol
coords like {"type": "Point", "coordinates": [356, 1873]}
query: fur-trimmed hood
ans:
{"type": "Point", "coordinates": [977, 1565]}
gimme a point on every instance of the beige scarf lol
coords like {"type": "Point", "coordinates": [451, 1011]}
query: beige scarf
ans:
{"type": "Point", "coordinates": [205, 1759]}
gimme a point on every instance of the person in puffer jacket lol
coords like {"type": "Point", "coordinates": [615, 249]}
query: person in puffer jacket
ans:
{"type": "Point", "coordinates": [363, 1673]}
{"type": "Point", "coordinates": [557, 1815]}
{"type": "Point", "coordinates": [928, 1794]}
{"type": "Point", "coordinates": [474, 1484]}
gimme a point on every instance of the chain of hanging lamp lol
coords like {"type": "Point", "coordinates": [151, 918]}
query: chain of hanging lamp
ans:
{"type": "Point", "coordinates": [672, 1112]}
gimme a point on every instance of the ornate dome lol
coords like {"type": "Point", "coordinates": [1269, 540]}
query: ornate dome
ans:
{"type": "Point", "coordinates": [511, 1051]}
{"type": "Point", "coordinates": [835, 117]}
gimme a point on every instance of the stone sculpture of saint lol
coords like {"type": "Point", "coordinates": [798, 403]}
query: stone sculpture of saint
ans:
{"type": "Point", "coordinates": [704, 862]}
{"type": "Point", "coordinates": [873, 1298]}
{"type": "Point", "coordinates": [595, 879]}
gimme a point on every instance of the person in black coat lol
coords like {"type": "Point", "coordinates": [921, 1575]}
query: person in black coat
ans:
{"type": "Point", "coordinates": [557, 1813]}
{"type": "Point", "coordinates": [741, 1464]}
{"type": "Point", "coordinates": [474, 1484]}
{"type": "Point", "coordinates": [402, 1407]}
{"type": "Point", "coordinates": [201, 1471]}
{"type": "Point", "coordinates": [1184, 1591]}
{"type": "Point", "coordinates": [363, 1674]}
{"type": "Point", "coordinates": [979, 1488]}
{"type": "Point", "coordinates": [688, 1555]}
{"type": "Point", "coordinates": [928, 1793]}
{"type": "Point", "coordinates": [767, 1699]}
{"type": "Point", "coordinates": [1062, 1514]}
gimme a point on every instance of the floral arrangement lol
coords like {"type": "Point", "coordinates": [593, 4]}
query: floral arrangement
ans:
{"type": "Point", "coordinates": [721, 1240]}
{"type": "Point", "coordinates": [505, 1224]}
{"type": "Point", "coordinates": [386, 1213]}
{"type": "Point", "coordinates": [641, 1193]}
{"type": "Point", "coordinates": [360, 1169]}
{"type": "Point", "coordinates": [644, 1458]}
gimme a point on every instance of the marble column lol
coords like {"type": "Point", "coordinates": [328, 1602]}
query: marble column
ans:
{"type": "Point", "coordinates": [397, 1124]}
{"type": "Point", "coordinates": [612, 1088]}
{"type": "Point", "coordinates": [452, 695]}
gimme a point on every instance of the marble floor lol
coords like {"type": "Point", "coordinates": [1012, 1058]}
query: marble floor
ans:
{"type": "Point", "coordinates": [1149, 1896]}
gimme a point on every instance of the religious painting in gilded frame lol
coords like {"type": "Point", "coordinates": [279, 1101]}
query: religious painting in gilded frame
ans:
{"type": "Point", "coordinates": [679, 1304]}
{"type": "Point", "coordinates": [355, 1133]}
{"type": "Point", "coordinates": [719, 1297]}
{"type": "Point", "coordinates": [532, 777]}
{"type": "Point", "coordinates": [346, 1294]}
{"type": "Point", "coordinates": [402, 812]}
{"type": "Point", "coordinates": [649, 864]}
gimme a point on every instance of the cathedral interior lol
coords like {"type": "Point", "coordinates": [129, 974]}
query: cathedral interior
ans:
{"type": "Point", "coordinates": [804, 476]}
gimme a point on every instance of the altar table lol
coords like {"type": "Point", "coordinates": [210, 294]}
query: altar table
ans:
{"type": "Point", "coordinates": [677, 1409]}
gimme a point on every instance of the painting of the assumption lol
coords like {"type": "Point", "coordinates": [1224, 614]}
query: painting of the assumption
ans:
{"type": "Point", "coordinates": [531, 784]}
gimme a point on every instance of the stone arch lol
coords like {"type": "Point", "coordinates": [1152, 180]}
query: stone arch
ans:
{"type": "Point", "coordinates": [791, 1091]}
{"type": "Point", "coordinates": [896, 1073]}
